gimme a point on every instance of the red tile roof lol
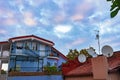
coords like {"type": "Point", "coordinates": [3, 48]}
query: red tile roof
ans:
{"type": "Point", "coordinates": [82, 69]}
{"type": "Point", "coordinates": [4, 42]}
{"type": "Point", "coordinates": [29, 36]}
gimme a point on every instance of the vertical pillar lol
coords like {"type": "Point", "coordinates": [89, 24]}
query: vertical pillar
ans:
{"type": "Point", "coordinates": [1, 59]}
{"type": "Point", "coordinates": [100, 68]}
{"type": "Point", "coordinates": [0, 66]}
{"type": "Point", "coordinates": [38, 63]}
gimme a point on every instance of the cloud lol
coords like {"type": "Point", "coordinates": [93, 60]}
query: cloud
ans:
{"type": "Point", "coordinates": [106, 27]}
{"type": "Point", "coordinates": [19, 30]}
{"type": "Point", "coordinates": [2, 31]}
{"type": "Point", "coordinates": [36, 3]}
{"type": "Point", "coordinates": [46, 16]}
{"type": "Point", "coordinates": [75, 43]}
{"type": "Point", "coordinates": [29, 19]}
{"type": "Point", "coordinates": [77, 17]}
{"type": "Point", "coordinates": [29, 22]}
{"type": "Point", "coordinates": [82, 10]}
{"type": "Point", "coordinates": [7, 17]}
{"type": "Point", "coordinates": [4, 13]}
{"type": "Point", "coordinates": [60, 17]}
{"type": "Point", "coordinates": [107, 40]}
{"type": "Point", "coordinates": [62, 30]}
{"type": "Point", "coordinates": [9, 22]}
{"type": "Point", "coordinates": [78, 41]}
{"type": "Point", "coordinates": [115, 44]}
{"type": "Point", "coordinates": [44, 21]}
{"type": "Point", "coordinates": [46, 13]}
{"type": "Point", "coordinates": [61, 3]}
{"type": "Point", "coordinates": [83, 7]}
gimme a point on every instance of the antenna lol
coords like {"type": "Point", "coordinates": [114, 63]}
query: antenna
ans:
{"type": "Point", "coordinates": [82, 58]}
{"type": "Point", "coordinates": [91, 52]}
{"type": "Point", "coordinates": [107, 51]}
{"type": "Point", "coordinates": [98, 38]}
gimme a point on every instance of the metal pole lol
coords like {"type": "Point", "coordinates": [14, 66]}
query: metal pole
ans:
{"type": "Point", "coordinates": [99, 43]}
{"type": "Point", "coordinates": [98, 38]}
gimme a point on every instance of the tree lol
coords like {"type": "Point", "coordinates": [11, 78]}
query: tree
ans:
{"type": "Point", "coordinates": [72, 54]}
{"type": "Point", "coordinates": [115, 7]}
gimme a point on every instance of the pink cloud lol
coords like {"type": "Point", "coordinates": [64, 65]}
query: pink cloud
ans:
{"type": "Point", "coordinates": [77, 17]}
{"type": "Point", "coordinates": [83, 7]}
{"type": "Point", "coordinates": [29, 19]}
{"type": "Point", "coordinates": [8, 17]}
{"type": "Point", "coordinates": [11, 21]}
{"type": "Point", "coordinates": [2, 31]}
{"type": "Point", "coordinates": [81, 10]}
{"type": "Point", "coordinates": [76, 42]}
{"type": "Point", "coordinates": [59, 17]}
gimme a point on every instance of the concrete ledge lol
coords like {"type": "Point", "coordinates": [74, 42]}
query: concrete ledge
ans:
{"type": "Point", "coordinates": [30, 73]}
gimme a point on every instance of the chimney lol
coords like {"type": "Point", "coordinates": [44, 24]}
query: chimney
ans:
{"type": "Point", "coordinates": [100, 68]}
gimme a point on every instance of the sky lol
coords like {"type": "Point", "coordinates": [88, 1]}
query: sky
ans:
{"type": "Point", "coordinates": [70, 24]}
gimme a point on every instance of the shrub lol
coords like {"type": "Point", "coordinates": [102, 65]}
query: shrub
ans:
{"type": "Point", "coordinates": [3, 72]}
{"type": "Point", "coordinates": [50, 69]}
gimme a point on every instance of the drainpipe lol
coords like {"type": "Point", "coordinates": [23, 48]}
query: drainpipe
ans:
{"type": "Point", "coordinates": [100, 68]}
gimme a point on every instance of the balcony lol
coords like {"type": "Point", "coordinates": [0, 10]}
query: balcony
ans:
{"type": "Point", "coordinates": [53, 56]}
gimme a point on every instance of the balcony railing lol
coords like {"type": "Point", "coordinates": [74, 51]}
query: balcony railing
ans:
{"type": "Point", "coordinates": [27, 69]}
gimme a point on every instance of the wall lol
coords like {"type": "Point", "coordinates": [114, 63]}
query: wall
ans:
{"type": "Point", "coordinates": [3, 77]}
{"type": "Point", "coordinates": [114, 76]}
{"type": "Point", "coordinates": [49, 77]}
{"type": "Point", "coordinates": [111, 76]}
{"type": "Point", "coordinates": [79, 78]}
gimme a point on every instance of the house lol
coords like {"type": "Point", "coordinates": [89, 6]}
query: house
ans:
{"type": "Point", "coordinates": [99, 68]}
{"type": "Point", "coordinates": [31, 53]}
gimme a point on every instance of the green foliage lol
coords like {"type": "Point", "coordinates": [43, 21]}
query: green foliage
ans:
{"type": "Point", "coordinates": [115, 7]}
{"type": "Point", "coordinates": [50, 69]}
{"type": "Point", "coordinates": [72, 54]}
{"type": "Point", "coordinates": [3, 72]}
{"type": "Point", "coordinates": [84, 51]}
{"type": "Point", "coordinates": [75, 53]}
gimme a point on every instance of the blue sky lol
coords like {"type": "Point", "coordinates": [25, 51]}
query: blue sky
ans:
{"type": "Point", "coordinates": [70, 24]}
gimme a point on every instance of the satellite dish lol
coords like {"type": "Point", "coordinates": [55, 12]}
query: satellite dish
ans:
{"type": "Point", "coordinates": [92, 52]}
{"type": "Point", "coordinates": [107, 51]}
{"type": "Point", "coordinates": [81, 58]}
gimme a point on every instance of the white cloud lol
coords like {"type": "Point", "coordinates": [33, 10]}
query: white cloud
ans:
{"type": "Point", "coordinates": [107, 40]}
{"type": "Point", "coordinates": [106, 27]}
{"type": "Point", "coordinates": [44, 21]}
{"type": "Point", "coordinates": [46, 13]}
{"type": "Point", "coordinates": [46, 16]}
{"type": "Point", "coordinates": [60, 3]}
{"type": "Point", "coordinates": [61, 30]}
{"type": "Point", "coordinates": [35, 3]}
